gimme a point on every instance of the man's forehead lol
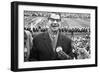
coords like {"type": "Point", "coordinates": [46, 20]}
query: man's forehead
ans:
{"type": "Point", "coordinates": [55, 16]}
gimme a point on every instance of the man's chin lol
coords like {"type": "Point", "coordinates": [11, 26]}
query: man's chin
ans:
{"type": "Point", "coordinates": [54, 29]}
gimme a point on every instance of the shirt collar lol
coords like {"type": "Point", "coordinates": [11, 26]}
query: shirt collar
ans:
{"type": "Point", "coordinates": [52, 35]}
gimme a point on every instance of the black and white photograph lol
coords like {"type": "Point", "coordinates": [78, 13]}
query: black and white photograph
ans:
{"type": "Point", "coordinates": [53, 36]}
{"type": "Point", "coordinates": [56, 36]}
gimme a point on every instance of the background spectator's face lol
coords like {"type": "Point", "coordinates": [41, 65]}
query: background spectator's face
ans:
{"type": "Point", "coordinates": [54, 22]}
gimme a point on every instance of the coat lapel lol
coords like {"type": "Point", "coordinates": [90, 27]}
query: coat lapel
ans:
{"type": "Point", "coordinates": [48, 43]}
{"type": "Point", "coordinates": [59, 41]}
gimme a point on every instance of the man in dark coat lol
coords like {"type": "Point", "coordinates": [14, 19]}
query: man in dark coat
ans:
{"type": "Point", "coordinates": [45, 45]}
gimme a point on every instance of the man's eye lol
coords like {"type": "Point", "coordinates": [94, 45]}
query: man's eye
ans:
{"type": "Point", "coordinates": [58, 20]}
{"type": "Point", "coordinates": [55, 19]}
{"type": "Point", "coordinates": [52, 19]}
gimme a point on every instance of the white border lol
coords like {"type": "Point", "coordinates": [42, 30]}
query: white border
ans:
{"type": "Point", "coordinates": [37, 64]}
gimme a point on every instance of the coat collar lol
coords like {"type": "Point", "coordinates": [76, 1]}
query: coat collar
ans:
{"type": "Point", "coordinates": [48, 40]}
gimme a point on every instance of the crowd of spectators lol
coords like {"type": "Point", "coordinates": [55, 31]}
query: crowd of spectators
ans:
{"type": "Point", "coordinates": [64, 29]}
{"type": "Point", "coordinates": [80, 44]}
{"type": "Point", "coordinates": [81, 47]}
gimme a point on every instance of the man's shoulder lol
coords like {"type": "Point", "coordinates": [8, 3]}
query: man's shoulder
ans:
{"type": "Point", "coordinates": [41, 35]}
{"type": "Point", "coordinates": [65, 37]}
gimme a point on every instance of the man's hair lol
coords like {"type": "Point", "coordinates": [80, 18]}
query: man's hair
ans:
{"type": "Point", "coordinates": [57, 13]}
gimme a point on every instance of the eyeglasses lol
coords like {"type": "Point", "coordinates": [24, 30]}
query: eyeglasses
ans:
{"type": "Point", "coordinates": [52, 19]}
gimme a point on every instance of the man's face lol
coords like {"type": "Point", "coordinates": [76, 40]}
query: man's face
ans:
{"type": "Point", "coordinates": [54, 22]}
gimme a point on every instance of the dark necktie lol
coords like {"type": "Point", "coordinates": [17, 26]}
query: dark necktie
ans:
{"type": "Point", "coordinates": [54, 43]}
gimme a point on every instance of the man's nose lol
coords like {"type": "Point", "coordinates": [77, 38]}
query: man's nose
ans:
{"type": "Point", "coordinates": [55, 21]}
